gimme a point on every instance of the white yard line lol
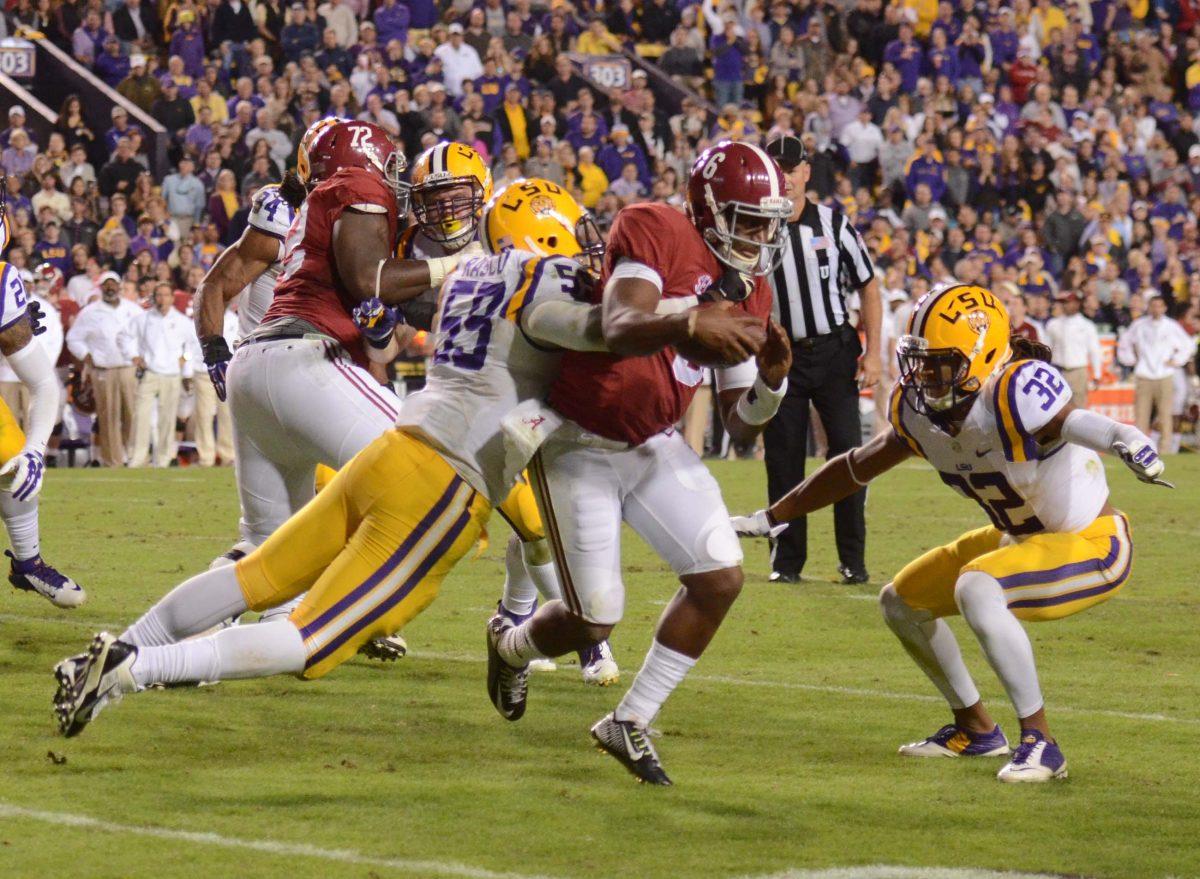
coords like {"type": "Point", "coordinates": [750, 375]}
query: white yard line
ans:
{"type": "Point", "coordinates": [728, 680]}
{"type": "Point", "coordinates": [266, 846]}
{"type": "Point", "coordinates": [882, 871]}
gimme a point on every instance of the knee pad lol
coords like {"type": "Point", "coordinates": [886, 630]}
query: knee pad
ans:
{"type": "Point", "coordinates": [977, 589]}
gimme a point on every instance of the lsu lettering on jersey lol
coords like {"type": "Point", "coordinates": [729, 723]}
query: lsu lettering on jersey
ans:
{"type": "Point", "coordinates": [995, 460]}
{"type": "Point", "coordinates": [271, 215]}
{"type": "Point", "coordinates": [484, 365]}
{"type": "Point", "coordinates": [13, 299]}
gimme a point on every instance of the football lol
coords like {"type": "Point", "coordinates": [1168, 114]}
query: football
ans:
{"type": "Point", "coordinates": [700, 354]}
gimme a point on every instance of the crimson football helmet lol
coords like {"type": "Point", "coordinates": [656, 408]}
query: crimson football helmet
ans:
{"type": "Point", "coordinates": [47, 279]}
{"type": "Point", "coordinates": [359, 145]}
{"type": "Point", "coordinates": [736, 198]}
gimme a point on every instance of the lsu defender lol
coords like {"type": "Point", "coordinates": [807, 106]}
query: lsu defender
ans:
{"type": "Point", "coordinates": [450, 185]}
{"type": "Point", "coordinates": [1002, 431]}
{"type": "Point", "coordinates": [22, 461]}
{"type": "Point", "coordinates": [371, 549]}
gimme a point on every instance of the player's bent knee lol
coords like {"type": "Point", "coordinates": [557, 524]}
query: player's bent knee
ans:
{"type": "Point", "coordinates": [720, 587]}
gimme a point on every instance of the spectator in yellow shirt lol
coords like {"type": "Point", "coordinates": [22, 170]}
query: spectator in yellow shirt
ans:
{"type": "Point", "coordinates": [204, 97]}
{"type": "Point", "coordinates": [597, 39]}
{"type": "Point", "coordinates": [593, 182]}
{"type": "Point", "coordinates": [1046, 17]}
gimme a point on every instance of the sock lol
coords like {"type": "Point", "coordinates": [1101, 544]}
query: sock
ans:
{"type": "Point", "coordinates": [280, 612]}
{"type": "Point", "coordinates": [663, 671]}
{"type": "Point", "coordinates": [520, 592]}
{"type": "Point", "coordinates": [191, 607]}
{"type": "Point", "coordinates": [932, 647]}
{"type": "Point", "coordinates": [516, 645]}
{"type": "Point", "coordinates": [1004, 640]}
{"type": "Point", "coordinates": [237, 652]}
{"type": "Point", "coordinates": [541, 568]}
{"type": "Point", "coordinates": [21, 521]}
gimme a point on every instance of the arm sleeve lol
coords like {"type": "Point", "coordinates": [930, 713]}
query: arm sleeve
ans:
{"type": "Point", "coordinates": [740, 375]}
{"type": "Point", "coordinates": [1026, 397]}
{"type": "Point", "coordinates": [35, 371]}
{"type": "Point", "coordinates": [547, 307]}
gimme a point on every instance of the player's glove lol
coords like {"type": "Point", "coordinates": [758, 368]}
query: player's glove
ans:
{"type": "Point", "coordinates": [1143, 460]}
{"type": "Point", "coordinates": [760, 524]}
{"type": "Point", "coordinates": [216, 357]}
{"type": "Point", "coordinates": [376, 321]}
{"type": "Point", "coordinates": [36, 316]}
{"type": "Point", "coordinates": [23, 475]}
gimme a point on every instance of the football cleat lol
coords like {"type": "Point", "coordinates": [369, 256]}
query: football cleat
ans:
{"type": "Point", "coordinates": [233, 555]}
{"type": "Point", "coordinates": [598, 666]}
{"type": "Point", "coordinates": [954, 741]}
{"type": "Point", "coordinates": [542, 665]}
{"type": "Point", "coordinates": [508, 686]}
{"type": "Point", "coordinates": [783, 577]}
{"type": "Point", "coordinates": [89, 682]}
{"type": "Point", "coordinates": [630, 745]}
{"type": "Point", "coordinates": [1035, 759]}
{"type": "Point", "coordinates": [34, 575]}
{"type": "Point", "coordinates": [387, 649]}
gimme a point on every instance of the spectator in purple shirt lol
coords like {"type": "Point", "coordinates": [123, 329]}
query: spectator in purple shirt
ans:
{"type": "Point", "coordinates": [88, 39]}
{"type": "Point", "coordinates": [423, 14]}
{"type": "Point", "coordinates": [904, 53]}
{"type": "Point", "coordinates": [111, 65]}
{"type": "Point", "coordinates": [188, 43]}
{"type": "Point", "coordinates": [942, 58]}
{"type": "Point", "coordinates": [729, 54]}
{"type": "Point", "coordinates": [393, 20]}
{"type": "Point", "coordinates": [1004, 39]}
{"type": "Point", "coordinates": [199, 135]}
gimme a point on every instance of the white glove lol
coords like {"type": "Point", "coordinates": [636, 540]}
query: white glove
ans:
{"type": "Point", "coordinates": [1143, 460]}
{"type": "Point", "coordinates": [756, 525]}
{"type": "Point", "coordinates": [23, 475]}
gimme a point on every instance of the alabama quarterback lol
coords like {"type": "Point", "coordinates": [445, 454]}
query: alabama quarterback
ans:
{"type": "Point", "coordinates": [22, 452]}
{"type": "Point", "coordinates": [1001, 430]}
{"type": "Point", "coordinates": [370, 551]}
{"type": "Point", "coordinates": [617, 456]}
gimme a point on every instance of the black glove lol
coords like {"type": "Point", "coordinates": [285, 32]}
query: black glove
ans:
{"type": "Point", "coordinates": [36, 316]}
{"type": "Point", "coordinates": [216, 358]}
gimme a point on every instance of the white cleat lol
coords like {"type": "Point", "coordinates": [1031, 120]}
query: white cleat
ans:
{"type": "Point", "coordinates": [598, 667]}
{"type": "Point", "coordinates": [1035, 760]}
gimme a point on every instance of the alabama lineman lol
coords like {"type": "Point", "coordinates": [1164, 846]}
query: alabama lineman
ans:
{"type": "Point", "coordinates": [22, 453]}
{"type": "Point", "coordinates": [372, 548]}
{"type": "Point", "coordinates": [450, 185]}
{"type": "Point", "coordinates": [1002, 431]}
{"type": "Point", "coordinates": [618, 457]}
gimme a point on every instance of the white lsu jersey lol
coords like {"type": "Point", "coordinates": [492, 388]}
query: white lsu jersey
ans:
{"type": "Point", "coordinates": [272, 215]}
{"type": "Point", "coordinates": [13, 298]}
{"type": "Point", "coordinates": [995, 460]}
{"type": "Point", "coordinates": [484, 365]}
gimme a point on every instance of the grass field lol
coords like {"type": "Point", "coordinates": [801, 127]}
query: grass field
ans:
{"type": "Point", "coordinates": [782, 744]}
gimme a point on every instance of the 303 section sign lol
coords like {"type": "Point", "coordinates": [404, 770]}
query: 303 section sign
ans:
{"type": "Point", "coordinates": [18, 58]}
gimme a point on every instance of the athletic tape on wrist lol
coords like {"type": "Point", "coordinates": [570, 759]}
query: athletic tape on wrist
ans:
{"type": "Point", "coordinates": [760, 403]}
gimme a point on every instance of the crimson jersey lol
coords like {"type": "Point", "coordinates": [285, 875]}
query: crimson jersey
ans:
{"type": "Point", "coordinates": [633, 398]}
{"type": "Point", "coordinates": [308, 287]}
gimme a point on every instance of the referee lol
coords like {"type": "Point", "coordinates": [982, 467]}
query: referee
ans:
{"type": "Point", "coordinates": [823, 258]}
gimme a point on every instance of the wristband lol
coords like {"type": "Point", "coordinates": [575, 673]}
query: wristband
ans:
{"type": "Point", "coordinates": [850, 468]}
{"type": "Point", "coordinates": [216, 350]}
{"type": "Point", "coordinates": [760, 403]}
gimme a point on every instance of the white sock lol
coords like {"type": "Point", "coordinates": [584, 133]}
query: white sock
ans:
{"type": "Point", "coordinates": [932, 646]}
{"type": "Point", "coordinates": [520, 591]}
{"type": "Point", "coordinates": [237, 652]}
{"type": "Point", "coordinates": [516, 646]}
{"type": "Point", "coordinates": [280, 612]}
{"type": "Point", "coordinates": [191, 607]}
{"type": "Point", "coordinates": [663, 671]}
{"type": "Point", "coordinates": [541, 569]}
{"type": "Point", "coordinates": [21, 521]}
{"type": "Point", "coordinates": [1004, 640]}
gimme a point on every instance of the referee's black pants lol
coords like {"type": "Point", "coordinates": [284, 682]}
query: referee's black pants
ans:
{"type": "Point", "coordinates": [823, 373]}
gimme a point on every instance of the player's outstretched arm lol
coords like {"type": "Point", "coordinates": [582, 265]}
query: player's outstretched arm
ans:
{"type": "Point", "coordinates": [367, 269]}
{"type": "Point", "coordinates": [837, 479]}
{"type": "Point", "coordinates": [1102, 434]}
{"type": "Point", "coordinates": [22, 475]}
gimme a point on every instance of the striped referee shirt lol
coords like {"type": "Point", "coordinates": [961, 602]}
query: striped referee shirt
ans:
{"type": "Point", "coordinates": [823, 255]}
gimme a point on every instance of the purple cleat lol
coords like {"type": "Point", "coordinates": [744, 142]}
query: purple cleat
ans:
{"type": "Point", "coordinates": [954, 741]}
{"type": "Point", "coordinates": [1036, 759]}
{"type": "Point", "coordinates": [34, 575]}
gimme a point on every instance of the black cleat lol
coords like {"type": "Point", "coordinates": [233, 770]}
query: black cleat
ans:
{"type": "Point", "coordinates": [852, 576]}
{"type": "Point", "coordinates": [781, 577]}
{"type": "Point", "coordinates": [630, 744]}
{"type": "Point", "coordinates": [508, 686]}
{"type": "Point", "coordinates": [387, 649]}
{"type": "Point", "coordinates": [90, 681]}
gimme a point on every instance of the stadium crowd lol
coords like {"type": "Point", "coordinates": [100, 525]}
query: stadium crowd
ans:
{"type": "Point", "coordinates": [1048, 150]}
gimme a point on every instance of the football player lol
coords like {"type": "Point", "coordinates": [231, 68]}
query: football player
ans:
{"type": "Point", "coordinates": [617, 456]}
{"type": "Point", "coordinates": [1001, 430]}
{"type": "Point", "coordinates": [450, 185]}
{"type": "Point", "coordinates": [22, 452]}
{"type": "Point", "coordinates": [371, 550]}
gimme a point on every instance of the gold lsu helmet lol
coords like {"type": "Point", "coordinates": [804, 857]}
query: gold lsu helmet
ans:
{"type": "Point", "coordinates": [450, 185]}
{"type": "Point", "coordinates": [541, 217]}
{"type": "Point", "coordinates": [956, 337]}
{"type": "Point", "coordinates": [303, 162]}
